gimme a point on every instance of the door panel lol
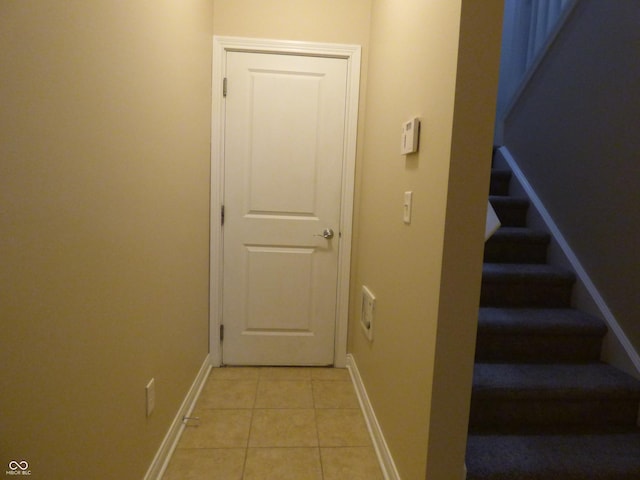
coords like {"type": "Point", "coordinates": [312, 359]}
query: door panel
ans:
{"type": "Point", "coordinates": [280, 143]}
{"type": "Point", "coordinates": [279, 290]}
{"type": "Point", "coordinates": [284, 143]}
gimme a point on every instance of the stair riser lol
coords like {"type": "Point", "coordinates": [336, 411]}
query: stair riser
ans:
{"type": "Point", "coordinates": [498, 414]}
{"type": "Point", "coordinates": [525, 294]}
{"type": "Point", "coordinates": [536, 349]}
{"type": "Point", "coordinates": [514, 252]}
{"type": "Point", "coordinates": [499, 183]}
{"type": "Point", "coordinates": [511, 215]}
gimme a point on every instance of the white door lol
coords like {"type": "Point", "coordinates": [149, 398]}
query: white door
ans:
{"type": "Point", "coordinates": [283, 160]}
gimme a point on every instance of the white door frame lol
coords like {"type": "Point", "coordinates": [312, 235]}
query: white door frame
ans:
{"type": "Point", "coordinates": [351, 53]}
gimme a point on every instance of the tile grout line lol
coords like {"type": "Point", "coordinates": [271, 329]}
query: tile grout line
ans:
{"type": "Point", "coordinates": [253, 409]}
{"type": "Point", "coordinates": [315, 419]}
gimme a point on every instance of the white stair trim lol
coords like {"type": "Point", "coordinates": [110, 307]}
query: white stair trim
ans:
{"type": "Point", "coordinates": [385, 459]}
{"type": "Point", "coordinates": [583, 277]}
{"type": "Point", "coordinates": [168, 445]}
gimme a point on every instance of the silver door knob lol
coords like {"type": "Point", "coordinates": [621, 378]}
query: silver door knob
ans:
{"type": "Point", "coordinates": [326, 233]}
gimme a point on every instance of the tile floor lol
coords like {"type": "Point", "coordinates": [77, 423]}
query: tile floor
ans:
{"type": "Point", "coordinates": [276, 423]}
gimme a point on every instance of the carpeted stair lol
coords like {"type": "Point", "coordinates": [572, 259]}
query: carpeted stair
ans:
{"type": "Point", "coordinates": [543, 406]}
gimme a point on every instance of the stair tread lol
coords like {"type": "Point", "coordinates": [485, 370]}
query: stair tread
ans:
{"type": "Point", "coordinates": [553, 381]}
{"type": "Point", "coordinates": [522, 234]}
{"type": "Point", "coordinates": [548, 321]}
{"type": "Point", "coordinates": [539, 457]}
{"type": "Point", "coordinates": [508, 272]}
{"type": "Point", "coordinates": [508, 200]}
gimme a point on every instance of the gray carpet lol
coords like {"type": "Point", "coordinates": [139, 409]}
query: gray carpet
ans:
{"type": "Point", "coordinates": [543, 406]}
{"type": "Point", "coordinates": [558, 457]}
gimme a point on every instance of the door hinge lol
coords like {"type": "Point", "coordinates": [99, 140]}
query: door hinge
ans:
{"type": "Point", "coordinates": [221, 332]}
{"type": "Point", "coordinates": [224, 87]}
{"type": "Point", "coordinates": [222, 215]}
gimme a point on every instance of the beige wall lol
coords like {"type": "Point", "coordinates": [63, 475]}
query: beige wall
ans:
{"type": "Point", "coordinates": [425, 275]}
{"type": "Point", "coordinates": [336, 21]}
{"type": "Point", "coordinates": [104, 166]}
{"type": "Point", "coordinates": [401, 264]}
{"type": "Point", "coordinates": [471, 149]}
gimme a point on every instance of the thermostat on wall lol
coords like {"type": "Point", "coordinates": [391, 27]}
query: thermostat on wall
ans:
{"type": "Point", "coordinates": [410, 136]}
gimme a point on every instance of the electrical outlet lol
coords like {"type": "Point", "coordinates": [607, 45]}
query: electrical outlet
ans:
{"type": "Point", "coordinates": [151, 396]}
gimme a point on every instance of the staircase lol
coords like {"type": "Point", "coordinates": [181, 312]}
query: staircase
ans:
{"type": "Point", "coordinates": [543, 406]}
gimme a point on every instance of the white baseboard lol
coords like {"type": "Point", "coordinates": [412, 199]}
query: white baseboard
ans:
{"type": "Point", "coordinates": [382, 450]}
{"type": "Point", "coordinates": [168, 445]}
{"type": "Point", "coordinates": [583, 277]}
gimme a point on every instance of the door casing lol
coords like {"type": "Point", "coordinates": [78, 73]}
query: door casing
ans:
{"type": "Point", "coordinates": [352, 54]}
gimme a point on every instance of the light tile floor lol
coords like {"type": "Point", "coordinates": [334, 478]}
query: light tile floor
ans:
{"type": "Point", "coordinates": [276, 424]}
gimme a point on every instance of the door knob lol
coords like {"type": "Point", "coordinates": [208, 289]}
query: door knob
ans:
{"type": "Point", "coordinates": [326, 233]}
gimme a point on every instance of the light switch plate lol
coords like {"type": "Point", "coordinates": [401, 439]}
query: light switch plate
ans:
{"type": "Point", "coordinates": [406, 207]}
